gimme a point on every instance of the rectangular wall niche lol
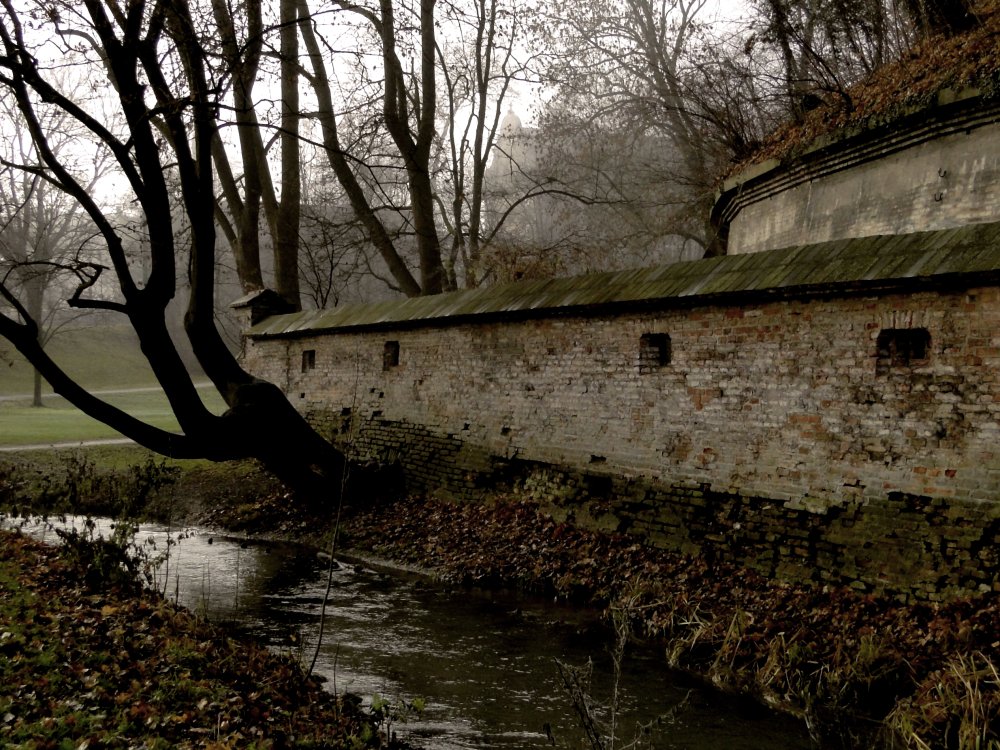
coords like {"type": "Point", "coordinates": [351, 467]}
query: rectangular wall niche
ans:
{"type": "Point", "coordinates": [390, 355]}
{"type": "Point", "coordinates": [901, 347]}
{"type": "Point", "coordinates": [654, 351]}
{"type": "Point", "coordinates": [308, 360]}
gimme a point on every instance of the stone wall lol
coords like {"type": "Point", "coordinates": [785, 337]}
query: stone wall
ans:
{"type": "Point", "coordinates": [909, 546]}
{"type": "Point", "coordinates": [794, 435]}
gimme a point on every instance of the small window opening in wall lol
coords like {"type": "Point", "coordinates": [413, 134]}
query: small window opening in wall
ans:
{"type": "Point", "coordinates": [390, 355]}
{"type": "Point", "coordinates": [308, 360]}
{"type": "Point", "coordinates": [901, 347]}
{"type": "Point", "coordinates": [654, 351]}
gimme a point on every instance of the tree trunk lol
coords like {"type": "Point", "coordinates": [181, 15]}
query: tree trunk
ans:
{"type": "Point", "coordinates": [35, 281]}
{"type": "Point", "coordinates": [336, 156]}
{"type": "Point", "coordinates": [174, 135]}
{"type": "Point", "coordinates": [286, 241]}
{"type": "Point", "coordinates": [36, 394]}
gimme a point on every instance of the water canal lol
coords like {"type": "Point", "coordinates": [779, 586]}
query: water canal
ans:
{"type": "Point", "coordinates": [482, 662]}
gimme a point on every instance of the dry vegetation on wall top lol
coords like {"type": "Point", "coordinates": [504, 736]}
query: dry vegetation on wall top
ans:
{"type": "Point", "coordinates": [934, 64]}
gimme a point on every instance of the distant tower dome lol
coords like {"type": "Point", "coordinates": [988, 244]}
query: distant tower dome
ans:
{"type": "Point", "coordinates": [511, 124]}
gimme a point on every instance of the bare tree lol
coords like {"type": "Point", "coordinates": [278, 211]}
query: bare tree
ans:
{"type": "Point", "coordinates": [43, 234]}
{"type": "Point", "coordinates": [335, 258]}
{"type": "Point", "coordinates": [628, 62]}
{"type": "Point", "coordinates": [942, 16]}
{"type": "Point", "coordinates": [243, 46]}
{"type": "Point", "coordinates": [825, 46]}
{"type": "Point", "coordinates": [655, 70]}
{"type": "Point", "coordinates": [409, 125]}
{"type": "Point", "coordinates": [154, 60]}
{"type": "Point", "coordinates": [407, 96]}
{"type": "Point", "coordinates": [477, 65]}
{"type": "Point", "coordinates": [633, 199]}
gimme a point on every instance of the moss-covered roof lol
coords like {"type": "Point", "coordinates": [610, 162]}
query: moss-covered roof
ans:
{"type": "Point", "coordinates": [967, 255]}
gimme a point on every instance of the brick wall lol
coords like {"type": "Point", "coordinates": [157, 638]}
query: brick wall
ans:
{"type": "Point", "coordinates": [775, 435]}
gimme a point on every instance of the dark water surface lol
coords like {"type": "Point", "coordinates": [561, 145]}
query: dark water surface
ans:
{"type": "Point", "coordinates": [483, 663]}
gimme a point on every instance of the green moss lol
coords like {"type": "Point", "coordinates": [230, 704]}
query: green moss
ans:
{"type": "Point", "coordinates": [850, 263]}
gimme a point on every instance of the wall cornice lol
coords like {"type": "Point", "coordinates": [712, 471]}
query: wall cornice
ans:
{"type": "Point", "coordinates": [951, 112]}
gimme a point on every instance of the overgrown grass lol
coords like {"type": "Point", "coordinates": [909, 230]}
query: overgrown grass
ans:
{"type": "Point", "coordinates": [204, 491]}
{"type": "Point", "coordinates": [104, 457]}
{"type": "Point", "coordinates": [76, 485]}
{"type": "Point", "coordinates": [957, 706]}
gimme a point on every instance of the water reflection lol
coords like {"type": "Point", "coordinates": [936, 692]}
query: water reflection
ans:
{"type": "Point", "coordinates": [483, 663]}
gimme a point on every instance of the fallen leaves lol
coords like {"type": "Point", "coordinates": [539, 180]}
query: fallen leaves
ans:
{"type": "Point", "coordinates": [827, 652]}
{"type": "Point", "coordinates": [116, 670]}
{"type": "Point", "coordinates": [971, 59]}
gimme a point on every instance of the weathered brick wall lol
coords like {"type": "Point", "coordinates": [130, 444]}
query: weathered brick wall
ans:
{"type": "Point", "coordinates": [771, 437]}
{"type": "Point", "coordinates": [910, 546]}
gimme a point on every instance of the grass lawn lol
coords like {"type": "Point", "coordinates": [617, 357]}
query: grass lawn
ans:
{"type": "Point", "coordinates": [58, 422]}
{"type": "Point", "coordinates": [100, 358]}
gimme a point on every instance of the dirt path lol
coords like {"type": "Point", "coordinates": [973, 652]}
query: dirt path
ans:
{"type": "Point", "coordinates": [101, 392]}
{"type": "Point", "coordinates": [72, 444]}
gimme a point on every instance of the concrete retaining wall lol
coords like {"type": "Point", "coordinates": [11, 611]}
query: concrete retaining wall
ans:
{"type": "Point", "coordinates": [938, 170]}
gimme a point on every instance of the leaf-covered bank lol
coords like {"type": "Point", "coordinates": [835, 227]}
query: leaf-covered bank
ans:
{"type": "Point", "coordinates": [862, 671]}
{"type": "Point", "coordinates": [115, 667]}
